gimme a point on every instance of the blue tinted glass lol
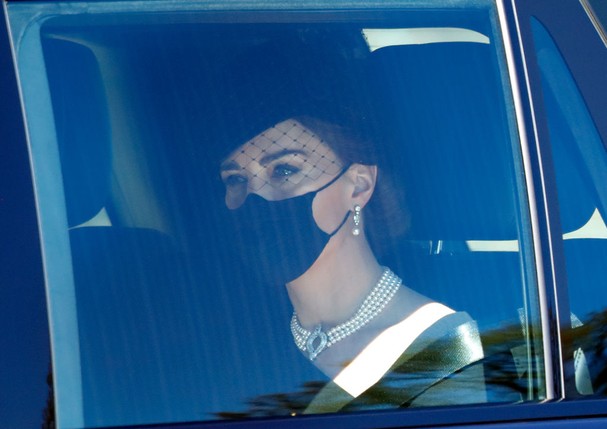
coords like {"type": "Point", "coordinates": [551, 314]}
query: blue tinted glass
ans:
{"type": "Point", "coordinates": [188, 167]}
{"type": "Point", "coordinates": [580, 162]}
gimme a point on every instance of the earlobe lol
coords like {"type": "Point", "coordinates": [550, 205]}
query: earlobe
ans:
{"type": "Point", "coordinates": [364, 178]}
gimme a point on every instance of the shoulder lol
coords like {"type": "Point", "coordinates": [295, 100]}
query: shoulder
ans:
{"type": "Point", "coordinates": [430, 350]}
{"type": "Point", "coordinates": [447, 345]}
{"type": "Point", "coordinates": [448, 358]}
{"type": "Point", "coordinates": [455, 329]}
{"type": "Point", "coordinates": [441, 367]}
{"type": "Point", "coordinates": [429, 330]}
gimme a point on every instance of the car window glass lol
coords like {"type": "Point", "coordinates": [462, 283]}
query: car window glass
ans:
{"type": "Point", "coordinates": [580, 161]}
{"type": "Point", "coordinates": [188, 166]}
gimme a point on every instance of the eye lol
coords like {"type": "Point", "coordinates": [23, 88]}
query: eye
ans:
{"type": "Point", "coordinates": [235, 180]}
{"type": "Point", "coordinates": [284, 171]}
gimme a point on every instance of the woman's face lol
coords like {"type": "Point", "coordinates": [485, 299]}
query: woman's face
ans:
{"type": "Point", "coordinates": [282, 162]}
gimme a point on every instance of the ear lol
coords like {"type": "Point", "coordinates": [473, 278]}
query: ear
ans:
{"type": "Point", "coordinates": [364, 178]}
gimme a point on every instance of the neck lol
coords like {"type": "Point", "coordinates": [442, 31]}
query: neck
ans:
{"type": "Point", "coordinates": [335, 286]}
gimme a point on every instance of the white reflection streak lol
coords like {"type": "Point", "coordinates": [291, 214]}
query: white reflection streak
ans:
{"type": "Point", "coordinates": [377, 358]}
{"type": "Point", "coordinates": [377, 38]}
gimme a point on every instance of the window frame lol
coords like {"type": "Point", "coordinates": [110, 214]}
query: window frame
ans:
{"type": "Point", "coordinates": [587, 44]}
{"type": "Point", "coordinates": [23, 382]}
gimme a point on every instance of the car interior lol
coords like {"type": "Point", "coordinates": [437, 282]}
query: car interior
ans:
{"type": "Point", "coordinates": [160, 303]}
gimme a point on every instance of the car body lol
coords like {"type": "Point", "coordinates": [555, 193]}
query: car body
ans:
{"type": "Point", "coordinates": [77, 75]}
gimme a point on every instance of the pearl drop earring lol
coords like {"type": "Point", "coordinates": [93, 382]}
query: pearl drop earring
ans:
{"type": "Point", "coordinates": [356, 219]}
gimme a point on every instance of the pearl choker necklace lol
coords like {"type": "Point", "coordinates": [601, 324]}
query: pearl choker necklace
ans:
{"type": "Point", "coordinates": [314, 342]}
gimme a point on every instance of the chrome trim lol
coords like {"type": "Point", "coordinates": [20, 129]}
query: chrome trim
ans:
{"type": "Point", "coordinates": [72, 382]}
{"type": "Point", "coordinates": [552, 358]}
{"type": "Point", "coordinates": [595, 20]}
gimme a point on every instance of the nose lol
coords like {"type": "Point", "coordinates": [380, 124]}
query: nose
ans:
{"type": "Point", "coordinates": [255, 184]}
{"type": "Point", "coordinates": [236, 197]}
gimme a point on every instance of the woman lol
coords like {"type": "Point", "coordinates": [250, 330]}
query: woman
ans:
{"type": "Point", "coordinates": [301, 194]}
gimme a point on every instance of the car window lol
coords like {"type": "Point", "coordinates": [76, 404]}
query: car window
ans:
{"type": "Point", "coordinates": [252, 214]}
{"type": "Point", "coordinates": [580, 164]}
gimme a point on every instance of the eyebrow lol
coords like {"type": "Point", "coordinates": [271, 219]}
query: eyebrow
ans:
{"type": "Point", "coordinates": [229, 166]}
{"type": "Point", "coordinates": [232, 165]}
{"type": "Point", "coordinates": [277, 155]}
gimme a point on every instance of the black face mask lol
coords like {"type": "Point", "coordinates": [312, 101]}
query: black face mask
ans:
{"type": "Point", "coordinates": [280, 238]}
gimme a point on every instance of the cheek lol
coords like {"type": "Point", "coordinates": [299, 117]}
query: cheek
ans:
{"type": "Point", "coordinates": [328, 209]}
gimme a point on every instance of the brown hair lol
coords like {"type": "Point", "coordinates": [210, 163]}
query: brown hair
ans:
{"type": "Point", "coordinates": [388, 217]}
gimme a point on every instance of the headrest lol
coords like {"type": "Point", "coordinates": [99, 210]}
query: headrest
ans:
{"type": "Point", "coordinates": [575, 143]}
{"type": "Point", "coordinates": [451, 143]}
{"type": "Point", "coordinates": [82, 125]}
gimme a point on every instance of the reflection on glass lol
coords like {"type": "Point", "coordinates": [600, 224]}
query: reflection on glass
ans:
{"type": "Point", "coordinates": [580, 162]}
{"type": "Point", "coordinates": [267, 219]}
